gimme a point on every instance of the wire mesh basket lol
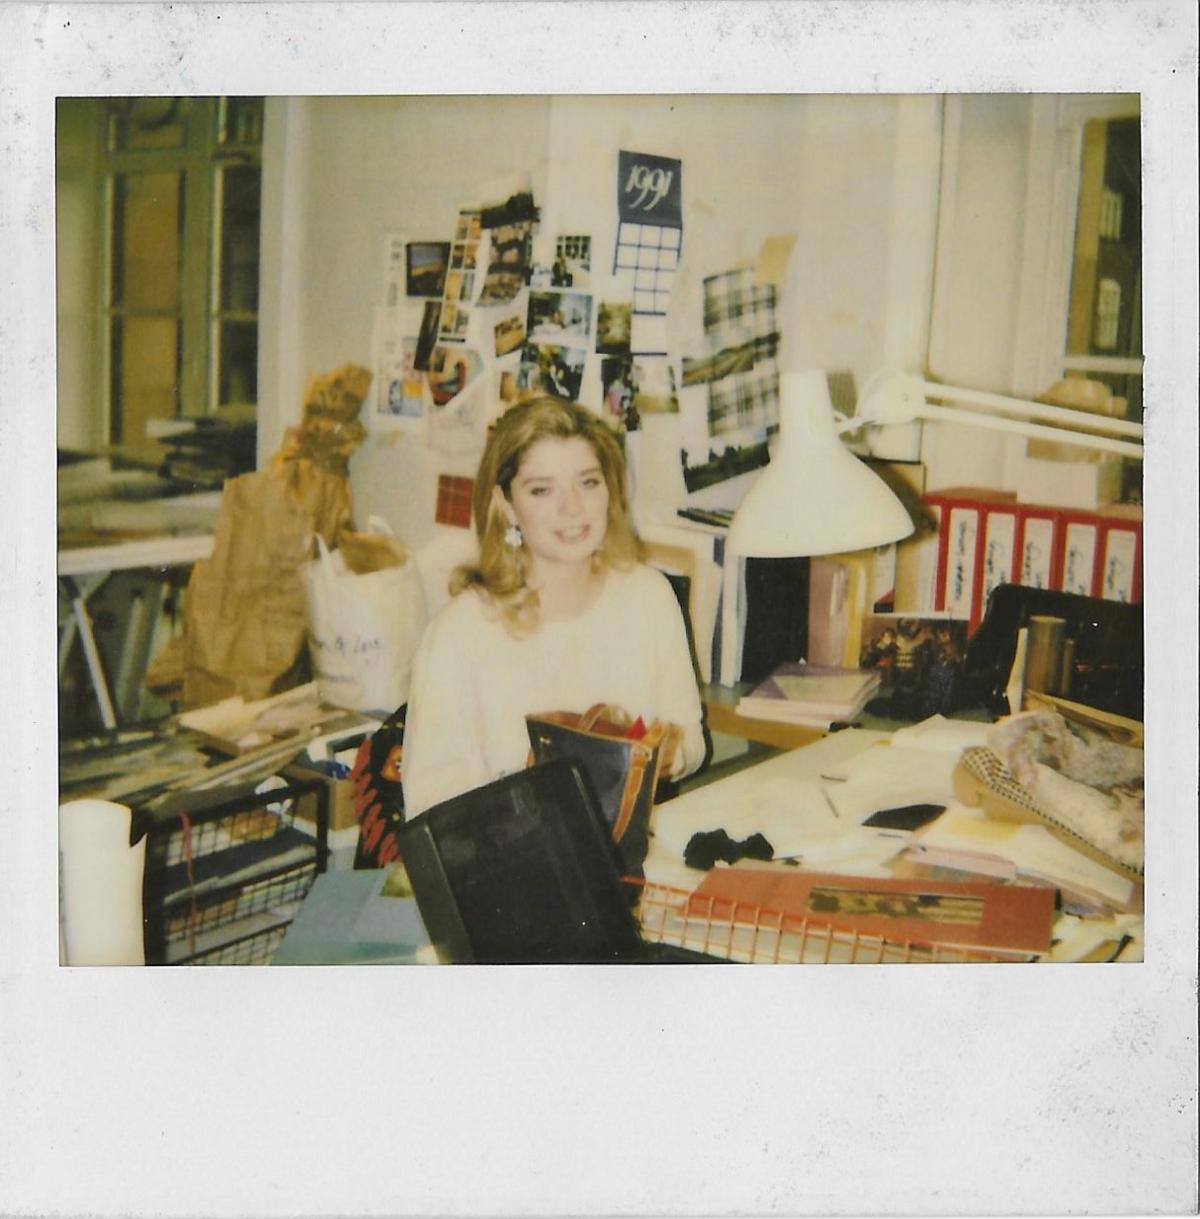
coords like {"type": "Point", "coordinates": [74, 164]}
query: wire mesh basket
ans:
{"type": "Point", "coordinates": [222, 874]}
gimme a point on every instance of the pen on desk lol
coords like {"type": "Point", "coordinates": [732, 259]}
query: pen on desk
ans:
{"type": "Point", "coordinates": [832, 806]}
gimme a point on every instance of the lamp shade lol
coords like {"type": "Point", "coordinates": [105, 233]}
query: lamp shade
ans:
{"type": "Point", "coordinates": [815, 497]}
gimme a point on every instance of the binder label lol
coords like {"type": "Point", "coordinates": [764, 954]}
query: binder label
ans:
{"type": "Point", "coordinates": [1117, 577]}
{"type": "Point", "coordinates": [1079, 559]}
{"type": "Point", "coordinates": [1037, 552]}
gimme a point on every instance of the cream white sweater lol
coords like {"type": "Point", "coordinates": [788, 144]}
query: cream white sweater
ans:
{"type": "Point", "coordinates": [473, 683]}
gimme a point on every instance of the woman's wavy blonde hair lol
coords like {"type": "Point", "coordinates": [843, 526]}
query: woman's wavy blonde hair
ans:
{"type": "Point", "coordinates": [502, 571]}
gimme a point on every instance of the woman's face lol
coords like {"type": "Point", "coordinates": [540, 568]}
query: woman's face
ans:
{"type": "Point", "coordinates": [560, 500]}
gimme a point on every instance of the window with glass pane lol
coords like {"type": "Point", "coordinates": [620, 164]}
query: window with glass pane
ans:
{"type": "Point", "coordinates": [1105, 317]}
{"type": "Point", "coordinates": [184, 207]}
{"type": "Point", "coordinates": [1104, 323]}
{"type": "Point", "coordinates": [145, 304]}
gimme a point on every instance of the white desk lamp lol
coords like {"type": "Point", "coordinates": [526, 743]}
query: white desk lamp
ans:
{"type": "Point", "coordinates": [815, 497]}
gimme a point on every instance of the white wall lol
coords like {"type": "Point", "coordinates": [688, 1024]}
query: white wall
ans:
{"type": "Point", "coordinates": [854, 177]}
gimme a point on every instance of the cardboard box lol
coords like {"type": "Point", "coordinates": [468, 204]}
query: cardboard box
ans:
{"type": "Point", "coordinates": [1070, 484]}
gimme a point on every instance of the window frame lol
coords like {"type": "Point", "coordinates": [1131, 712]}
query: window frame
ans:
{"type": "Point", "coordinates": [200, 159]}
{"type": "Point", "coordinates": [1052, 204]}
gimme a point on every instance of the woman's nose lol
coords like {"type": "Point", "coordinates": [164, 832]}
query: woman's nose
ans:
{"type": "Point", "coordinates": [570, 502]}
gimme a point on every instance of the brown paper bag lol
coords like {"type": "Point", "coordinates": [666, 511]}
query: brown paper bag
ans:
{"type": "Point", "coordinates": [244, 616]}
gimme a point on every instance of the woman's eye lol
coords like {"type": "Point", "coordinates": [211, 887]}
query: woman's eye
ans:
{"type": "Point", "coordinates": [539, 490]}
{"type": "Point", "coordinates": [591, 482]}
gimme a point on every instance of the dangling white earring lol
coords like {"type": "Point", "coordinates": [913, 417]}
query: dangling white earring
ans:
{"type": "Point", "coordinates": [514, 537]}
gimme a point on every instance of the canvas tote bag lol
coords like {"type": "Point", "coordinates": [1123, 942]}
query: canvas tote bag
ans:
{"type": "Point", "coordinates": [364, 626]}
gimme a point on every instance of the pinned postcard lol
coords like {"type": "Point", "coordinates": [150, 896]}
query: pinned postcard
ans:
{"type": "Point", "coordinates": [458, 425]}
{"type": "Point", "coordinates": [771, 265]}
{"type": "Point", "coordinates": [399, 400]}
{"type": "Point", "coordinates": [425, 267]}
{"type": "Point", "coordinates": [393, 270]}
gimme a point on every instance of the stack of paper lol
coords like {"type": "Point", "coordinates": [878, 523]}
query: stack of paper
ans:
{"type": "Point", "coordinates": [800, 693]}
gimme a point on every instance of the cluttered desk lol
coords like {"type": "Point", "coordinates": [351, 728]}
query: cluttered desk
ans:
{"type": "Point", "coordinates": [861, 846]}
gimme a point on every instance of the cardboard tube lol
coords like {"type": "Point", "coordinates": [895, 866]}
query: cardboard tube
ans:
{"type": "Point", "coordinates": [100, 885]}
{"type": "Point", "coordinates": [1044, 657]}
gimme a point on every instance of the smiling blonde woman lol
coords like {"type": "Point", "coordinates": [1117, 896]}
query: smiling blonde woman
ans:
{"type": "Point", "coordinates": [559, 613]}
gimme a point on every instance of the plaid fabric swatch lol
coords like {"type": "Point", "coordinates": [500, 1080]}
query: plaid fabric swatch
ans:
{"type": "Point", "coordinates": [454, 501]}
{"type": "Point", "coordinates": [733, 302]}
{"type": "Point", "coordinates": [745, 399]}
{"type": "Point", "coordinates": [738, 314]}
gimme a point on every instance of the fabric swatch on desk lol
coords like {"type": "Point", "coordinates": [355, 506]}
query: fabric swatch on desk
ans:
{"type": "Point", "coordinates": [705, 848]}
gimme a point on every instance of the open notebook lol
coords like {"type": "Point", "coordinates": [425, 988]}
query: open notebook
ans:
{"type": "Point", "coordinates": [522, 871]}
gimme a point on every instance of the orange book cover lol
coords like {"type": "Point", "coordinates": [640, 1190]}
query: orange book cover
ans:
{"type": "Point", "coordinates": [993, 918]}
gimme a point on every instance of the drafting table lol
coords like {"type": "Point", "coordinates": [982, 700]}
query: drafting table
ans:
{"type": "Point", "coordinates": [82, 571]}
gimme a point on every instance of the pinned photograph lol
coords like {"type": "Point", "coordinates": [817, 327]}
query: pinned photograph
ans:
{"type": "Point", "coordinates": [560, 317]}
{"type": "Point", "coordinates": [454, 322]}
{"type": "Point", "coordinates": [551, 369]}
{"type": "Point", "coordinates": [469, 226]}
{"type": "Point", "coordinates": [508, 263]}
{"type": "Point", "coordinates": [616, 379]}
{"type": "Point", "coordinates": [425, 267]}
{"type": "Point", "coordinates": [654, 387]}
{"type": "Point", "coordinates": [451, 370]}
{"type": "Point", "coordinates": [613, 327]}
{"type": "Point", "coordinates": [572, 262]}
{"type": "Point", "coordinates": [719, 464]}
{"type": "Point", "coordinates": [510, 334]}
{"type": "Point", "coordinates": [427, 336]}
{"type": "Point", "coordinates": [401, 392]}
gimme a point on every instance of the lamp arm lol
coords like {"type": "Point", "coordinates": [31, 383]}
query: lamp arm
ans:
{"type": "Point", "coordinates": [1024, 427]}
{"type": "Point", "coordinates": [898, 397]}
{"type": "Point", "coordinates": [1076, 420]}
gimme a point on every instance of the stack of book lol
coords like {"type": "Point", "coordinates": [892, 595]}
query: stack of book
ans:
{"type": "Point", "coordinates": [815, 695]}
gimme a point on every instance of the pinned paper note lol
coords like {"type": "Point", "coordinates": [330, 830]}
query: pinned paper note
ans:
{"type": "Point", "coordinates": [770, 267]}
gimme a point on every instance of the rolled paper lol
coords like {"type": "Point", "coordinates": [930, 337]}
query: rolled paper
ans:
{"type": "Point", "coordinates": [100, 885]}
{"type": "Point", "coordinates": [1044, 657]}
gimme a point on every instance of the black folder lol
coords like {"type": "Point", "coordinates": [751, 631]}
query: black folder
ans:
{"type": "Point", "coordinates": [523, 871]}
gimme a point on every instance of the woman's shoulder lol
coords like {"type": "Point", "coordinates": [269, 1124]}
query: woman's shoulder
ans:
{"type": "Point", "coordinates": [642, 580]}
{"type": "Point", "coordinates": [462, 619]}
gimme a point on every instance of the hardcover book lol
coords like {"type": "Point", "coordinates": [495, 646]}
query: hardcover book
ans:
{"type": "Point", "coordinates": [806, 693]}
{"type": "Point", "coordinates": [994, 920]}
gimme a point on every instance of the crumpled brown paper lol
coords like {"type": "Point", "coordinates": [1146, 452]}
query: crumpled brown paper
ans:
{"type": "Point", "coordinates": [244, 616]}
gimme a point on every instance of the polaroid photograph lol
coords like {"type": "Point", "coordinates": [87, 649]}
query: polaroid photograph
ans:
{"type": "Point", "coordinates": [560, 317]}
{"type": "Point", "coordinates": [654, 382]}
{"type": "Point", "coordinates": [613, 327]}
{"type": "Point", "coordinates": [510, 334]}
{"type": "Point", "coordinates": [551, 369]}
{"type": "Point", "coordinates": [617, 389]}
{"type": "Point", "coordinates": [912, 148]}
{"type": "Point", "coordinates": [572, 262]}
{"type": "Point", "coordinates": [425, 267]}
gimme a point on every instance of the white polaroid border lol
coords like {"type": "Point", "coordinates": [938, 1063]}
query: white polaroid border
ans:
{"type": "Point", "coordinates": [1046, 1090]}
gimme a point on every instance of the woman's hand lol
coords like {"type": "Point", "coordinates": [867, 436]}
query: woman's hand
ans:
{"type": "Point", "coordinates": [672, 752]}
